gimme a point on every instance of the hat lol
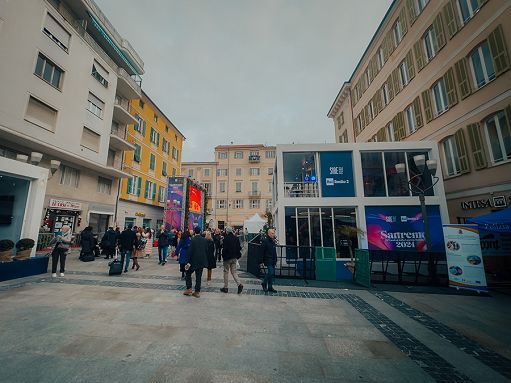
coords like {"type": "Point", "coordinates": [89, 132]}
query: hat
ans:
{"type": "Point", "coordinates": [228, 229]}
{"type": "Point", "coordinates": [197, 230]}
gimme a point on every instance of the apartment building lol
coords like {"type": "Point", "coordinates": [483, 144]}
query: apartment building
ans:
{"type": "Point", "coordinates": [239, 182]}
{"type": "Point", "coordinates": [439, 70]}
{"type": "Point", "coordinates": [67, 76]}
{"type": "Point", "coordinates": [157, 145]}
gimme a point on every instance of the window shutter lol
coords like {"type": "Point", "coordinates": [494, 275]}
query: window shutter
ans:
{"type": "Point", "coordinates": [451, 18]}
{"type": "Point", "coordinates": [461, 146]}
{"type": "Point", "coordinates": [403, 20]}
{"type": "Point", "coordinates": [139, 186]}
{"type": "Point", "coordinates": [438, 27]}
{"type": "Point", "coordinates": [462, 76]}
{"type": "Point", "coordinates": [391, 87]}
{"type": "Point", "coordinates": [426, 100]}
{"type": "Point", "coordinates": [450, 86]}
{"type": "Point", "coordinates": [154, 192]}
{"type": "Point", "coordinates": [395, 81]}
{"type": "Point", "coordinates": [146, 191]}
{"type": "Point", "coordinates": [399, 127]}
{"type": "Point", "coordinates": [410, 65]}
{"type": "Point", "coordinates": [508, 116]}
{"type": "Point", "coordinates": [129, 189]}
{"type": "Point", "coordinates": [378, 102]}
{"type": "Point", "coordinates": [143, 128]}
{"type": "Point", "coordinates": [410, 7]}
{"type": "Point", "coordinates": [476, 142]}
{"type": "Point", "coordinates": [418, 112]}
{"type": "Point", "coordinates": [380, 136]}
{"type": "Point", "coordinates": [498, 50]}
{"type": "Point", "coordinates": [420, 56]}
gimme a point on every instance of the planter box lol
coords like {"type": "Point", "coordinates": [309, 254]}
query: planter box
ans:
{"type": "Point", "coordinates": [23, 268]}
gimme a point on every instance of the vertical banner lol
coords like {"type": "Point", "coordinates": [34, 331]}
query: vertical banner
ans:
{"type": "Point", "coordinates": [337, 174]}
{"type": "Point", "coordinates": [464, 259]}
{"type": "Point", "coordinates": [174, 214]}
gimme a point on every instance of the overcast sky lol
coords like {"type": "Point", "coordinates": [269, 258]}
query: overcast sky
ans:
{"type": "Point", "coordinates": [247, 71]}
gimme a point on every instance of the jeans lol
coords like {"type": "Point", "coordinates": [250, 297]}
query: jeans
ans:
{"type": "Point", "coordinates": [268, 278]}
{"type": "Point", "coordinates": [126, 254]}
{"type": "Point", "coordinates": [230, 265]}
{"type": "Point", "coordinates": [198, 277]}
{"type": "Point", "coordinates": [55, 256]}
{"type": "Point", "coordinates": [162, 253]}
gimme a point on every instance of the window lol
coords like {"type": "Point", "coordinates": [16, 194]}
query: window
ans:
{"type": "Point", "coordinates": [221, 172]}
{"type": "Point", "coordinates": [403, 74]}
{"type": "Point", "coordinates": [372, 173]}
{"type": "Point", "coordinates": [270, 171]}
{"type": "Point", "coordinates": [150, 190]}
{"type": "Point", "coordinates": [410, 119]}
{"type": "Point", "coordinates": [397, 32]}
{"type": "Point", "coordinates": [419, 5]}
{"type": "Point", "coordinates": [238, 155]}
{"type": "Point", "coordinates": [344, 136]}
{"type": "Point", "coordinates": [152, 162]}
{"type": "Point", "coordinates": [255, 204]}
{"type": "Point", "coordinates": [254, 187]}
{"type": "Point", "coordinates": [164, 169]}
{"type": "Point", "coordinates": [482, 65]}
{"type": "Point", "coordinates": [207, 186]}
{"type": "Point", "coordinates": [395, 184]}
{"type": "Point", "coordinates": [254, 172]}
{"type": "Point", "coordinates": [174, 173]}
{"type": "Point", "coordinates": [238, 187]}
{"type": "Point", "coordinates": [381, 58]}
{"type": "Point", "coordinates": [452, 161]}
{"type": "Point", "coordinates": [207, 172]}
{"type": "Point", "coordinates": [69, 176]}
{"type": "Point", "coordinates": [90, 140]}
{"type": "Point", "coordinates": [161, 194]}
{"type": "Point", "coordinates": [221, 187]}
{"type": "Point", "coordinates": [385, 93]}
{"type": "Point", "coordinates": [140, 125]}
{"type": "Point", "coordinates": [104, 185]}
{"type": "Point", "coordinates": [238, 172]}
{"type": "Point", "coordinates": [270, 154]}
{"type": "Point", "coordinates": [498, 136]}
{"type": "Point", "coordinates": [467, 8]}
{"type": "Point", "coordinates": [254, 153]}
{"type": "Point", "coordinates": [390, 132]}
{"type": "Point", "coordinates": [41, 114]}
{"type": "Point", "coordinates": [95, 106]}
{"type": "Point", "coordinates": [190, 173]}
{"type": "Point", "coordinates": [220, 204]}
{"type": "Point", "coordinates": [165, 146]}
{"type": "Point", "coordinates": [134, 185]}
{"type": "Point", "coordinates": [56, 32]}
{"type": "Point", "coordinates": [166, 129]}
{"type": "Point", "coordinates": [222, 155]}
{"type": "Point", "coordinates": [48, 71]}
{"type": "Point", "coordinates": [155, 137]}
{"type": "Point", "coordinates": [270, 187]}
{"type": "Point", "coordinates": [430, 44]}
{"type": "Point", "coordinates": [137, 153]}
{"type": "Point", "coordinates": [155, 118]}
{"type": "Point", "coordinates": [99, 73]}
{"type": "Point", "coordinates": [175, 154]}
{"type": "Point", "coordinates": [129, 221]}
{"type": "Point", "coordinates": [238, 204]}
{"type": "Point", "coordinates": [440, 97]}
{"type": "Point", "coordinates": [269, 204]}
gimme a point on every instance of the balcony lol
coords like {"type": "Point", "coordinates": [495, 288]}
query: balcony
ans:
{"type": "Point", "coordinates": [121, 111]}
{"type": "Point", "coordinates": [301, 190]}
{"type": "Point", "coordinates": [254, 194]}
{"type": "Point", "coordinates": [118, 139]}
{"type": "Point", "coordinates": [128, 86]}
{"type": "Point", "coordinates": [254, 158]}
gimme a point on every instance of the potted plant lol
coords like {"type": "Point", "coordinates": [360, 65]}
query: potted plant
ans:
{"type": "Point", "coordinates": [24, 248]}
{"type": "Point", "coordinates": [6, 246]}
{"type": "Point", "coordinates": [349, 233]}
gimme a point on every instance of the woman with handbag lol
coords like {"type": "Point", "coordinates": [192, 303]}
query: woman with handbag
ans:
{"type": "Point", "coordinates": [148, 235]}
{"type": "Point", "coordinates": [140, 245]}
{"type": "Point", "coordinates": [63, 243]}
{"type": "Point", "coordinates": [211, 255]}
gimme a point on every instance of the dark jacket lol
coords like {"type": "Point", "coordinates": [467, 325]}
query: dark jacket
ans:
{"type": "Point", "coordinates": [268, 251]}
{"type": "Point", "coordinates": [127, 239]}
{"type": "Point", "coordinates": [211, 255]}
{"type": "Point", "coordinates": [163, 238]}
{"type": "Point", "coordinates": [198, 253]}
{"type": "Point", "coordinates": [87, 241]}
{"type": "Point", "coordinates": [217, 238]}
{"type": "Point", "coordinates": [182, 249]}
{"type": "Point", "coordinates": [109, 240]}
{"type": "Point", "coordinates": [232, 247]}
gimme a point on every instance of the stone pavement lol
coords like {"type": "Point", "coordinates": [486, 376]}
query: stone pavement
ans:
{"type": "Point", "coordinates": [89, 327]}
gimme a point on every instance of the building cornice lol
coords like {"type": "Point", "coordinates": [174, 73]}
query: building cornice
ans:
{"type": "Point", "coordinates": [341, 96]}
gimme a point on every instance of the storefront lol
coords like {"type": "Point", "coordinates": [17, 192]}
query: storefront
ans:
{"type": "Point", "coordinates": [62, 212]}
{"type": "Point", "coordinates": [137, 214]}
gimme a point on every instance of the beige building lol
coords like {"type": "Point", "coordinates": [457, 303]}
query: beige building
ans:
{"type": "Point", "coordinates": [439, 70]}
{"type": "Point", "coordinates": [67, 76]}
{"type": "Point", "coordinates": [239, 182]}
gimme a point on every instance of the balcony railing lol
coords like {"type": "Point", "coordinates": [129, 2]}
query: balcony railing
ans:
{"type": "Point", "coordinates": [135, 80]}
{"type": "Point", "coordinates": [123, 103]}
{"type": "Point", "coordinates": [301, 189]}
{"type": "Point", "coordinates": [254, 194]}
{"type": "Point", "coordinates": [254, 158]}
{"type": "Point", "coordinates": [119, 131]}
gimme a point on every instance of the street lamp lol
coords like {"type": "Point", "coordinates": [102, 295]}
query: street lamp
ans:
{"type": "Point", "coordinates": [419, 184]}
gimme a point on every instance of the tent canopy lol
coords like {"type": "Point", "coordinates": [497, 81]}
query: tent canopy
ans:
{"type": "Point", "coordinates": [254, 224]}
{"type": "Point", "coordinates": [499, 221]}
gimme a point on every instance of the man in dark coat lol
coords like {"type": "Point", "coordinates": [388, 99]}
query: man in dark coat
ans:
{"type": "Point", "coordinates": [86, 242]}
{"type": "Point", "coordinates": [269, 259]}
{"type": "Point", "coordinates": [127, 241]}
{"type": "Point", "coordinates": [108, 242]}
{"type": "Point", "coordinates": [164, 238]}
{"type": "Point", "coordinates": [231, 254]}
{"type": "Point", "coordinates": [217, 239]}
{"type": "Point", "coordinates": [197, 260]}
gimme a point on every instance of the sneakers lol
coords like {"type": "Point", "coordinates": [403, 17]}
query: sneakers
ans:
{"type": "Point", "coordinates": [54, 275]}
{"type": "Point", "coordinates": [224, 290]}
{"type": "Point", "coordinates": [272, 290]}
{"type": "Point", "coordinates": [240, 288]}
{"type": "Point", "coordinates": [188, 292]}
{"type": "Point", "coordinates": [159, 263]}
{"type": "Point", "coordinates": [265, 289]}
{"type": "Point", "coordinates": [61, 274]}
{"type": "Point", "coordinates": [196, 294]}
{"type": "Point", "coordinates": [208, 283]}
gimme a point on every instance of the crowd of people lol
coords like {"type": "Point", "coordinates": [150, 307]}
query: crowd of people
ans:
{"type": "Point", "coordinates": [195, 250]}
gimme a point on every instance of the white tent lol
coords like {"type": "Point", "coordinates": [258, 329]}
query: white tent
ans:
{"type": "Point", "coordinates": [254, 224]}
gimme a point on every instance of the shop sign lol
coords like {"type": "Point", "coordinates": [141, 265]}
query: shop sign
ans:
{"type": "Point", "coordinates": [337, 174]}
{"type": "Point", "coordinates": [499, 201]}
{"type": "Point", "coordinates": [486, 203]}
{"type": "Point", "coordinates": [64, 205]}
{"type": "Point", "coordinates": [139, 214]}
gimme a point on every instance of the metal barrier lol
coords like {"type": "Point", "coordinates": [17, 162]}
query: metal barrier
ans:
{"type": "Point", "coordinates": [326, 264]}
{"type": "Point", "coordinates": [43, 241]}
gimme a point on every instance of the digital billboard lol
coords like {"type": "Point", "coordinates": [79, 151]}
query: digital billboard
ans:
{"type": "Point", "coordinates": [401, 228]}
{"type": "Point", "coordinates": [337, 174]}
{"type": "Point", "coordinates": [195, 200]}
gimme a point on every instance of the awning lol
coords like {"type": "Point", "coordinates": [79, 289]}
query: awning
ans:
{"type": "Point", "coordinates": [498, 222]}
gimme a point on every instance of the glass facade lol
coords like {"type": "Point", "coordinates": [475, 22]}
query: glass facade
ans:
{"type": "Point", "coordinates": [374, 177]}
{"type": "Point", "coordinates": [297, 166]}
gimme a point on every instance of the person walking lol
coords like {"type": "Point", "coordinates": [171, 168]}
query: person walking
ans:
{"type": "Point", "coordinates": [211, 255]}
{"type": "Point", "coordinates": [231, 253]}
{"type": "Point", "coordinates": [86, 242]}
{"type": "Point", "coordinates": [148, 236]}
{"type": "Point", "coordinates": [163, 237]}
{"type": "Point", "coordinates": [127, 241]}
{"type": "Point", "coordinates": [197, 261]}
{"type": "Point", "coordinates": [269, 259]}
{"type": "Point", "coordinates": [63, 243]}
{"type": "Point", "coordinates": [108, 243]}
{"type": "Point", "coordinates": [217, 239]}
{"type": "Point", "coordinates": [182, 252]}
{"type": "Point", "coordinates": [140, 244]}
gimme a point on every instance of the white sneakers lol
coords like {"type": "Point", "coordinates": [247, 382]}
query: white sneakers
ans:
{"type": "Point", "coordinates": [61, 274]}
{"type": "Point", "coordinates": [54, 275]}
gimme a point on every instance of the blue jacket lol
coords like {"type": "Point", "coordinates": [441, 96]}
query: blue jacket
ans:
{"type": "Point", "coordinates": [182, 250]}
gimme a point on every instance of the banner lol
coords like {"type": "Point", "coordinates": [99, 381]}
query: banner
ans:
{"type": "Point", "coordinates": [194, 220]}
{"type": "Point", "coordinates": [464, 259]}
{"type": "Point", "coordinates": [401, 228]}
{"type": "Point", "coordinates": [337, 174]}
{"type": "Point", "coordinates": [195, 200]}
{"type": "Point", "coordinates": [174, 214]}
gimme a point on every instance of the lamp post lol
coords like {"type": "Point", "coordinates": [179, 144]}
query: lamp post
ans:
{"type": "Point", "coordinates": [418, 185]}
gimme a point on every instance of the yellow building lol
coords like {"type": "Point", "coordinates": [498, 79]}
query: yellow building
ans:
{"type": "Point", "coordinates": [157, 155]}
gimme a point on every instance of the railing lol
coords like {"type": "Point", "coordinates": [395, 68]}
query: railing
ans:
{"type": "Point", "coordinates": [119, 131]}
{"type": "Point", "coordinates": [90, 40]}
{"type": "Point", "coordinates": [134, 80]}
{"type": "Point", "coordinates": [254, 158]}
{"type": "Point", "coordinates": [43, 241]}
{"type": "Point", "coordinates": [301, 189]}
{"type": "Point", "coordinates": [122, 102]}
{"type": "Point", "coordinates": [254, 193]}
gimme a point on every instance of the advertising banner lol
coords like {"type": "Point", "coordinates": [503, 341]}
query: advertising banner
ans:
{"type": "Point", "coordinates": [464, 259]}
{"type": "Point", "coordinates": [175, 193]}
{"type": "Point", "coordinates": [337, 174]}
{"type": "Point", "coordinates": [195, 200]}
{"type": "Point", "coordinates": [401, 228]}
{"type": "Point", "coordinates": [195, 219]}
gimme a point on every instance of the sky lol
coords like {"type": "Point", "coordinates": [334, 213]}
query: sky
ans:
{"type": "Point", "coordinates": [246, 71]}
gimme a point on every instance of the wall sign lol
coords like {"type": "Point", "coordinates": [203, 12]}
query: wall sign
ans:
{"type": "Point", "coordinates": [337, 174]}
{"type": "Point", "coordinates": [499, 201]}
{"type": "Point", "coordinates": [64, 205]}
{"type": "Point", "coordinates": [139, 214]}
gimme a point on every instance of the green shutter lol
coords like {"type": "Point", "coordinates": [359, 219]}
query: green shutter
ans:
{"type": "Point", "coordinates": [146, 191]}
{"type": "Point", "coordinates": [476, 142]}
{"type": "Point", "coordinates": [419, 122]}
{"type": "Point", "coordinates": [139, 186]}
{"type": "Point", "coordinates": [438, 27]}
{"type": "Point", "coordinates": [499, 50]}
{"type": "Point", "coordinates": [461, 147]}
{"type": "Point", "coordinates": [143, 128]}
{"type": "Point", "coordinates": [409, 65]}
{"type": "Point", "coordinates": [154, 192]}
{"type": "Point", "coordinates": [129, 189]}
{"type": "Point", "coordinates": [450, 87]}
{"type": "Point", "coordinates": [137, 125]}
{"type": "Point", "coordinates": [463, 79]}
{"type": "Point", "coordinates": [403, 20]}
{"type": "Point", "coordinates": [426, 100]}
{"type": "Point", "coordinates": [451, 17]}
{"type": "Point", "coordinates": [420, 55]}
{"type": "Point", "coordinates": [410, 7]}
